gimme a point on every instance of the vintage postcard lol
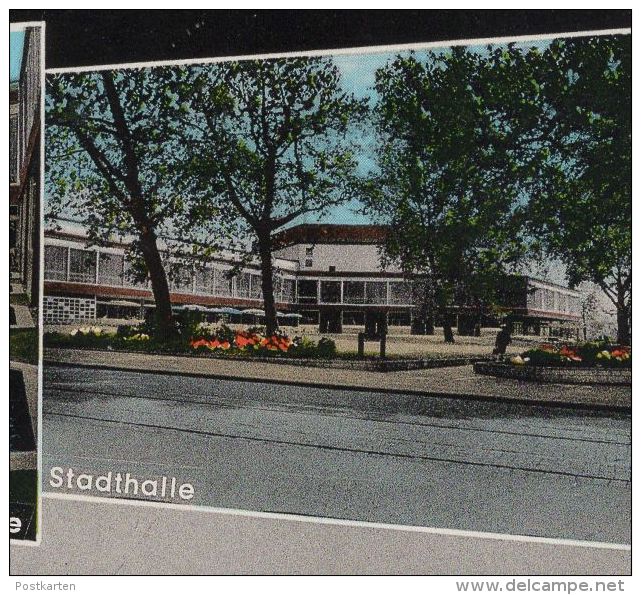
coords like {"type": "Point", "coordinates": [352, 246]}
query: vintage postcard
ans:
{"type": "Point", "coordinates": [26, 54]}
{"type": "Point", "coordinates": [388, 285]}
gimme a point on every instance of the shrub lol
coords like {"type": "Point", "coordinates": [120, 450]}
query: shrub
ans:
{"type": "Point", "coordinates": [303, 347]}
{"type": "Point", "coordinates": [594, 353]}
{"type": "Point", "coordinates": [326, 347]}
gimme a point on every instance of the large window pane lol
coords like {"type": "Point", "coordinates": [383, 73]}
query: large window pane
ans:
{"type": "Point", "coordinates": [182, 278]}
{"type": "Point", "coordinates": [354, 292]}
{"type": "Point", "coordinates": [376, 292]}
{"type": "Point", "coordinates": [205, 281]}
{"type": "Point", "coordinates": [243, 285]}
{"type": "Point", "coordinates": [82, 265]}
{"type": "Point", "coordinates": [289, 288]}
{"type": "Point", "coordinates": [400, 292]}
{"type": "Point", "coordinates": [330, 292]}
{"type": "Point", "coordinates": [307, 291]}
{"type": "Point", "coordinates": [56, 263]}
{"type": "Point", "coordinates": [222, 284]}
{"type": "Point", "coordinates": [111, 268]}
{"type": "Point", "coordinates": [256, 292]}
{"type": "Point", "coordinates": [128, 277]}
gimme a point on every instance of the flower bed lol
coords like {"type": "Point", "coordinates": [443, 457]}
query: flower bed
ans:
{"type": "Point", "coordinates": [583, 363]}
{"type": "Point", "coordinates": [254, 342]}
{"type": "Point", "coordinates": [220, 340]}
{"type": "Point", "coordinates": [583, 355]}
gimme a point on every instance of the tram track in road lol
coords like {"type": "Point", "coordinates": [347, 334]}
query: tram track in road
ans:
{"type": "Point", "coordinates": [341, 449]}
{"type": "Point", "coordinates": [427, 461]}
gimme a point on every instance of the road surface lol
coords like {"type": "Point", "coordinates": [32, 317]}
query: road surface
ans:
{"type": "Point", "coordinates": [491, 467]}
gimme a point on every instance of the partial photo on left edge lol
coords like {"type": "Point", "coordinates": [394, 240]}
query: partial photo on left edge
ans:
{"type": "Point", "coordinates": [26, 56]}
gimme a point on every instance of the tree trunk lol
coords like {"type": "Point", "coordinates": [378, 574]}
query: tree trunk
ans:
{"type": "Point", "coordinates": [423, 296]}
{"type": "Point", "coordinates": [448, 335]}
{"type": "Point", "coordinates": [165, 323]}
{"type": "Point", "coordinates": [429, 323]}
{"type": "Point", "coordinates": [623, 320]}
{"type": "Point", "coordinates": [267, 271]}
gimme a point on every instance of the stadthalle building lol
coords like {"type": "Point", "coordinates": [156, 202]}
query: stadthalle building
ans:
{"type": "Point", "coordinates": [327, 275]}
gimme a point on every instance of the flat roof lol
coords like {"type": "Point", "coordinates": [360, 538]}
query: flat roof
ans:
{"type": "Point", "coordinates": [331, 233]}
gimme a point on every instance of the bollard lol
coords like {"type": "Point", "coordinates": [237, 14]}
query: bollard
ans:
{"type": "Point", "coordinates": [361, 344]}
{"type": "Point", "coordinates": [383, 344]}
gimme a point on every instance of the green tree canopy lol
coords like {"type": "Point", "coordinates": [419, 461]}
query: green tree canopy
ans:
{"type": "Point", "coordinates": [113, 148]}
{"type": "Point", "coordinates": [583, 203]}
{"type": "Point", "coordinates": [452, 171]}
{"type": "Point", "coordinates": [269, 143]}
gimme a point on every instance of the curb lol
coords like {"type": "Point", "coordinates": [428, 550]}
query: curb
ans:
{"type": "Point", "coordinates": [407, 364]}
{"type": "Point", "coordinates": [600, 407]}
{"type": "Point", "coordinates": [605, 377]}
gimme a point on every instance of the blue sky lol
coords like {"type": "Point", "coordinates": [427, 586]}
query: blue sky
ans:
{"type": "Point", "coordinates": [358, 77]}
{"type": "Point", "coordinates": [16, 42]}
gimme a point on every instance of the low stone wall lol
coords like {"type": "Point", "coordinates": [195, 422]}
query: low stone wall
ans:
{"type": "Point", "coordinates": [559, 375]}
{"type": "Point", "coordinates": [367, 364]}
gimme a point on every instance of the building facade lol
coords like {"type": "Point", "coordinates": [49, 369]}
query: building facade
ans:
{"type": "Point", "coordinates": [330, 275]}
{"type": "Point", "coordinates": [25, 101]}
{"type": "Point", "coordinates": [84, 283]}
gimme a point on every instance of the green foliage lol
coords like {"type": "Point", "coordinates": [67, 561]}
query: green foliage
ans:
{"type": "Point", "coordinates": [19, 299]}
{"type": "Point", "coordinates": [222, 332]}
{"type": "Point", "coordinates": [326, 347]}
{"type": "Point", "coordinates": [539, 357]}
{"type": "Point", "coordinates": [141, 338]}
{"type": "Point", "coordinates": [452, 173]}
{"type": "Point", "coordinates": [305, 347]}
{"type": "Point", "coordinates": [113, 143]}
{"type": "Point", "coordinates": [583, 203]}
{"type": "Point", "coordinates": [90, 150]}
{"type": "Point", "coordinates": [269, 141]}
{"type": "Point", "coordinates": [588, 354]}
{"type": "Point", "coordinates": [485, 157]}
{"type": "Point", "coordinates": [23, 345]}
{"type": "Point", "coordinates": [23, 486]}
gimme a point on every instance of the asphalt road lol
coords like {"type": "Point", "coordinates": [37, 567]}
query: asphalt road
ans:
{"type": "Point", "coordinates": [495, 467]}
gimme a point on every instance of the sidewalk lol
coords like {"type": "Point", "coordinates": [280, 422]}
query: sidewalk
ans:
{"type": "Point", "coordinates": [458, 381]}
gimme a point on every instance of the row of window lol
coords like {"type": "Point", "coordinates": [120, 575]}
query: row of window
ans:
{"type": "Point", "coordinates": [63, 263]}
{"type": "Point", "coordinates": [13, 148]}
{"type": "Point", "coordinates": [90, 266]}
{"type": "Point", "coordinates": [311, 291]}
{"type": "Point", "coordinates": [28, 102]}
{"type": "Point", "coordinates": [552, 300]}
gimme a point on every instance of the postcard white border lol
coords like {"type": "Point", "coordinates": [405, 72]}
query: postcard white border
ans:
{"type": "Point", "coordinates": [15, 27]}
{"type": "Point", "coordinates": [362, 50]}
{"type": "Point", "coordinates": [368, 50]}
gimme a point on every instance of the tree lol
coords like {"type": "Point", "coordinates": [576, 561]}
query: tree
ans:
{"type": "Point", "coordinates": [450, 171]}
{"type": "Point", "coordinates": [583, 205]}
{"type": "Point", "coordinates": [596, 314]}
{"type": "Point", "coordinates": [112, 151]}
{"type": "Point", "coordinates": [270, 142]}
